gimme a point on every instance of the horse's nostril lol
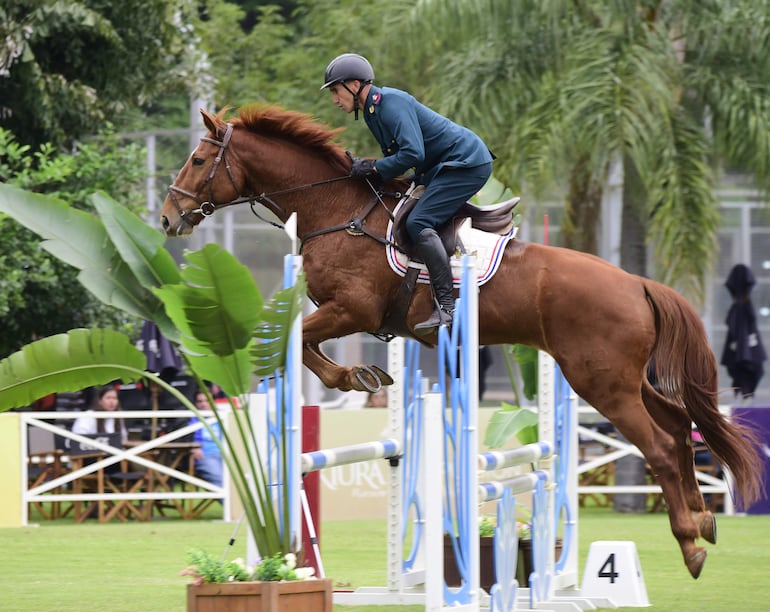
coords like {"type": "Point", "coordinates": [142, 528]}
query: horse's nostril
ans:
{"type": "Point", "coordinates": [164, 222]}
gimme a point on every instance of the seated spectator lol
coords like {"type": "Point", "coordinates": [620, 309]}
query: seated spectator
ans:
{"type": "Point", "coordinates": [208, 460]}
{"type": "Point", "coordinates": [106, 401]}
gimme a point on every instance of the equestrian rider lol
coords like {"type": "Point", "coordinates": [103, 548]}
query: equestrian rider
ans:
{"type": "Point", "coordinates": [451, 162]}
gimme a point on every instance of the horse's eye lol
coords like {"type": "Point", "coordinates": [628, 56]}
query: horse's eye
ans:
{"type": "Point", "coordinates": [198, 161]}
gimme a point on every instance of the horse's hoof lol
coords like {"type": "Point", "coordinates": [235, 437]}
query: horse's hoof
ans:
{"type": "Point", "coordinates": [370, 378]}
{"type": "Point", "coordinates": [695, 563]}
{"type": "Point", "coordinates": [385, 379]}
{"type": "Point", "coordinates": [708, 527]}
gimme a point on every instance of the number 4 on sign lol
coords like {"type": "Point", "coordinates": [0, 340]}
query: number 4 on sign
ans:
{"type": "Point", "coordinates": [613, 573]}
{"type": "Point", "coordinates": [608, 569]}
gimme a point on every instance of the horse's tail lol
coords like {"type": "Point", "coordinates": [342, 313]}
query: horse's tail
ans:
{"type": "Point", "coordinates": [686, 371]}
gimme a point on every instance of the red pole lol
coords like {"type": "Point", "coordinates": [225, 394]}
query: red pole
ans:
{"type": "Point", "coordinates": [311, 441]}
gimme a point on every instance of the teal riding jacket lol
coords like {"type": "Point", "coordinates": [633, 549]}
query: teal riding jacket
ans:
{"type": "Point", "coordinates": [412, 135]}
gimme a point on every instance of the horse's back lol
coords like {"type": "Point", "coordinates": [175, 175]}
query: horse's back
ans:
{"type": "Point", "coordinates": [544, 293]}
{"type": "Point", "coordinates": [591, 316]}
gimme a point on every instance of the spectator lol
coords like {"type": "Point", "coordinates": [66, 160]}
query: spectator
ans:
{"type": "Point", "coordinates": [744, 353]}
{"type": "Point", "coordinates": [208, 459]}
{"type": "Point", "coordinates": [106, 401]}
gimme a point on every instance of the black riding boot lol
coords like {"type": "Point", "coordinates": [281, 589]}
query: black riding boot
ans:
{"type": "Point", "coordinates": [431, 250]}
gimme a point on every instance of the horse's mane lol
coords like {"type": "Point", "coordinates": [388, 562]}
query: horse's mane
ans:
{"type": "Point", "coordinates": [299, 128]}
{"type": "Point", "coordinates": [296, 127]}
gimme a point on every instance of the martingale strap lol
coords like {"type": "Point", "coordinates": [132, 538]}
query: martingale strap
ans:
{"type": "Point", "coordinates": [357, 225]}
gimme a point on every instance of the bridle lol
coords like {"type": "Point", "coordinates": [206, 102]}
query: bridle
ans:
{"type": "Point", "coordinates": [208, 206]}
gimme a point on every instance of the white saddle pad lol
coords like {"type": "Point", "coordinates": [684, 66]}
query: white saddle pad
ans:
{"type": "Point", "coordinates": [487, 248]}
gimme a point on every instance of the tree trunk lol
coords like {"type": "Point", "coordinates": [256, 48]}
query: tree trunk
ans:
{"type": "Point", "coordinates": [631, 470]}
{"type": "Point", "coordinates": [583, 209]}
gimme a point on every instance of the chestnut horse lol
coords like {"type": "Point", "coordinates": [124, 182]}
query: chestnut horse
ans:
{"type": "Point", "coordinates": [603, 326]}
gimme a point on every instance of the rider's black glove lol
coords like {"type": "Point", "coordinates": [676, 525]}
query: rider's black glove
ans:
{"type": "Point", "coordinates": [362, 167]}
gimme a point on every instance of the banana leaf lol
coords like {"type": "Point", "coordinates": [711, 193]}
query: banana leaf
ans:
{"type": "Point", "coordinates": [141, 246]}
{"type": "Point", "coordinates": [217, 306]}
{"type": "Point", "coordinates": [274, 331]}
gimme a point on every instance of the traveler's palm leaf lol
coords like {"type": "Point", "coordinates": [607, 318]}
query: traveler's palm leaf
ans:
{"type": "Point", "coordinates": [67, 362]}
{"type": "Point", "coordinates": [217, 306]}
{"type": "Point", "coordinates": [275, 329]}
{"type": "Point", "coordinates": [80, 239]}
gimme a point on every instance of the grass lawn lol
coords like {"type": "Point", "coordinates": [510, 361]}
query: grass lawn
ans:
{"type": "Point", "coordinates": [61, 567]}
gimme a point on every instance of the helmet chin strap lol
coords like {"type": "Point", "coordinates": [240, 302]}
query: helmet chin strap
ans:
{"type": "Point", "coordinates": [356, 105]}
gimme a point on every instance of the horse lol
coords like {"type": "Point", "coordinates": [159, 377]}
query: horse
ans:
{"type": "Point", "coordinates": [631, 347]}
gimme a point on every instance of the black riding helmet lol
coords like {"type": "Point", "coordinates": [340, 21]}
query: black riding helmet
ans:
{"type": "Point", "coordinates": [349, 67]}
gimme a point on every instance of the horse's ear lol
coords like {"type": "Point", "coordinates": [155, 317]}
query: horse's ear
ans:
{"type": "Point", "coordinates": [209, 121]}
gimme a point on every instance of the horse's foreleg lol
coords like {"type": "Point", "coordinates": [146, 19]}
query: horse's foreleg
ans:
{"type": "Point", "coordinates": [325, 323]}
{"type": "Point", "coordinates": [360, 378]}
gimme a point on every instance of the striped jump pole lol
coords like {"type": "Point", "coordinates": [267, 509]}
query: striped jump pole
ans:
{"type": "Point", "coordinates": [354, 453]}
{"type": "Point", "coordinates": [530, 453]}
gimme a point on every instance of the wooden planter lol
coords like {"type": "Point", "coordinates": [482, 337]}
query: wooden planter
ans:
{"type": "Point", "coordinates": [294, 596]}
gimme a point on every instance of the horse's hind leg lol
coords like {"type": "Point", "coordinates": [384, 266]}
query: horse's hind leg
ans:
{"type": "Point", "coordinates": [628, 413]}
{"type": "Point", "coordinates": [675, 420]}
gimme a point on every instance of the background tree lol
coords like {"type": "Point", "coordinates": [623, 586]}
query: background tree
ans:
{"type": "Point", "coordinates": [68, 67]}
{"type": "Point", "coordinates": [282, 49]}
{"type": "Point", "coordinates": [664, 92]}
{"type": "Point", "coordinates": [40, 295]}
{"type": "Point", "coordinates": [669, 89]}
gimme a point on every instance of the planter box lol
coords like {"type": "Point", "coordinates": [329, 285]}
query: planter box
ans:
{"type": "Point", "coordinates": [487, 562]}
{"type": "Point", "coordinates": [294, 596]}
{"type": "Point", "coordinates": [524, 563]}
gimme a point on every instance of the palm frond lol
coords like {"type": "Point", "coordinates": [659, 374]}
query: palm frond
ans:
{"type": "Point", "coordinates": [683, 210]}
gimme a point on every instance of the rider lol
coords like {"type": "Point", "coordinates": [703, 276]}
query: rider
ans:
{"type": "Point", "coordinates": [451, 162]}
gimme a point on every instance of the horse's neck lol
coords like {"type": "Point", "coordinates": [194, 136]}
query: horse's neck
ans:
{"type": "Point", "coordinates": [289, 182]}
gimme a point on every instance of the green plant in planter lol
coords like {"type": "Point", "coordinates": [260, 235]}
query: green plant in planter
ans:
{"type": "Point", "coordinates": [210, 307]}
{"type": "Point", "coordinates": [516, 421]}
{"type": "Point", "coordinates": [486, 527]}
{"type": "Point", "coordinates": [205, 567]}
{"type": "Point", "coordinates": [487, 524]}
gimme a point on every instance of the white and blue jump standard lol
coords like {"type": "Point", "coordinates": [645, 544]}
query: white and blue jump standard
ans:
{"type": "Point", "coordinates": [432, 450]}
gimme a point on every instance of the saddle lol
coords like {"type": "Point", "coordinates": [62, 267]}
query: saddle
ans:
{"type": "Point", "coordinates": [496, 219]}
